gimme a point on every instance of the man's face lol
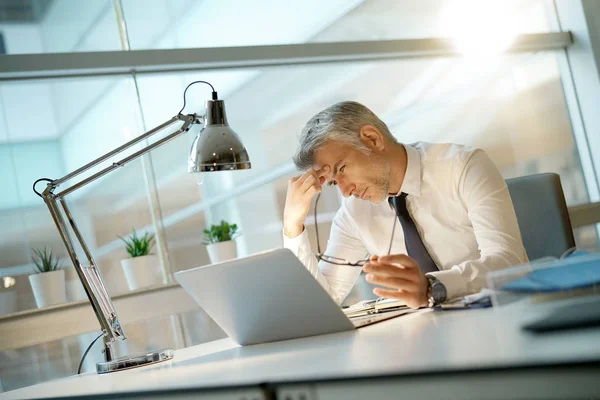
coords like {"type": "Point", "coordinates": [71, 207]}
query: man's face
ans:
{"type": "Point", "coordinates": [365, 176]}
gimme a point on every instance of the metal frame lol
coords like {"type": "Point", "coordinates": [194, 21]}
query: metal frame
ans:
{"type": "Point", "coordinates": [42, 66]}
{"type": "Point", "coordinates": [115, 352]}
{"type": "Point", "coordinates": [581, 65]}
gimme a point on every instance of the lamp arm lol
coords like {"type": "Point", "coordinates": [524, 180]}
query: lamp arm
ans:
{"type": "Point", "coordinates": [89, 274]}
{"type": "Point", "coordinates": [188, 120]}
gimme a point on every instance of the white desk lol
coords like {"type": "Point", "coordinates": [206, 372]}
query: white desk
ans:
{"type": "Point", "coordinates": [437, 344]}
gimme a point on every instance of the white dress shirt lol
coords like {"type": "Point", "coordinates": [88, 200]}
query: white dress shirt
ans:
{"type": "Point", "coordinates": [461, 207]}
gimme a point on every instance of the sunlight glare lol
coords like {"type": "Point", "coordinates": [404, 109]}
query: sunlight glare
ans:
{"type": "Point", "coordinates": [479, 27]}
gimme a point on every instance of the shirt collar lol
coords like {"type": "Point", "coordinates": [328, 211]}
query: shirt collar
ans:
{"type": "Point", "coordinates": [411, 184]}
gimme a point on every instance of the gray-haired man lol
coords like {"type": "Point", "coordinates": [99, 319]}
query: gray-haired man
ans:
{"type": "Point", "coordinates": [453, 207]}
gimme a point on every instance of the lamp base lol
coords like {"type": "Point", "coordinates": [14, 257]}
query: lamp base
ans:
{"type": "Point", "coordinates": [137, 360]}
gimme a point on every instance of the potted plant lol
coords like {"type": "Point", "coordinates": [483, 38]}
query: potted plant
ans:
{"type": "Point", "coordinates": [142, 268]}
{"type": "Point", "coordinates": [48, 283]}
{"type": "Point", "coordinates": [220, 243]}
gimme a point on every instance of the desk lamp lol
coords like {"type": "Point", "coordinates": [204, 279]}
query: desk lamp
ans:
{"type": "Point", "coordinates": [216, 148]}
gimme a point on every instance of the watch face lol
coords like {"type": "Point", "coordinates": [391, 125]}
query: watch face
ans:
{"type": "Point", "coordinates": [438, 292]}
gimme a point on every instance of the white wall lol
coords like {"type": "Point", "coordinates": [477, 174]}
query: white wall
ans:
{"type": "Point", "coordinates": [22, 38]}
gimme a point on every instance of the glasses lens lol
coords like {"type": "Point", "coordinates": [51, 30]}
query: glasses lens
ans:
{"type": "Point", "coordinates": [341, 261]}
{"type": "Point", "coordinates": [330, 259]}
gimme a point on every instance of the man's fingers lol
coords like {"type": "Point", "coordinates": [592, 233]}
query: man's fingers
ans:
{"type": "Point", "coordinates": [313, 190]}
{"type": "Point", "coordinates": [320, 174]}
{"type": "Point", "coordinates": [317, 175]}
{"type": "Point", "coordinates": [310, 181]}
{"type": "Point", "coordinates": [303, 177]}
{"type": "Point", "coordinates": [389, 270]}
{"type": "Point", "coordinates": [394, 283]}
{"type": "Point", "coordinates": [410, 299]}
{"type": "Point", "coordinates": [401, 259]}
{"type": "Point", "coordinates": [322, 171]}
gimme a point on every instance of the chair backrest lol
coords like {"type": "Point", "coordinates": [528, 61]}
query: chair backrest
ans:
{"type": "Point", "coordinates": [542, 214]}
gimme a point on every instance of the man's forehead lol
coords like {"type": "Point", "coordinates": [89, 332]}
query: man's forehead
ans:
{"type": "Point", "coordinates": [321, 161]}
{"type": "Point", "coordinates": [329, 156]}
{"type": "Point", "coordinates": [329, 153]}
{"type": "Point", "coordinates": [317, 166]}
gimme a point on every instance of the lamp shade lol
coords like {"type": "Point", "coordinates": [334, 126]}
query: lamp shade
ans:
{"type": "Point", "coordinates": [217, 147]}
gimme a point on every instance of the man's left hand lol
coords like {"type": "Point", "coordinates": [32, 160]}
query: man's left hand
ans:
{"type": "Point", "coordinates": [400, 273]}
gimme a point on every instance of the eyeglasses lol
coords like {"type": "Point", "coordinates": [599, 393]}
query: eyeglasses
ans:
{"type": "Point", "coordinates": [341, 261]}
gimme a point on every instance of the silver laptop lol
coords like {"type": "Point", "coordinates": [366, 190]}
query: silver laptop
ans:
{"type": "Point", "coordinates": [266, 297]}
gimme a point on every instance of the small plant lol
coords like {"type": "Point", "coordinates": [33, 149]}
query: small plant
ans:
{"type": "Point", "coordinates": [220, 233]}
{"type": "Point", "coordinates": [138, 246]}
{"type": "Point", "coordinates": [45, 261]}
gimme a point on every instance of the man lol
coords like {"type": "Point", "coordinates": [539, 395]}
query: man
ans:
{"type": "Point", "coordinates": [455, 218]}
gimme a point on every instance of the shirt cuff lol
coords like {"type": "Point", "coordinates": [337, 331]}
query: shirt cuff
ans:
{"type": "Point", "coordinates": [294, 244]}
{"type": "Point", "coordinates": [454, 283]}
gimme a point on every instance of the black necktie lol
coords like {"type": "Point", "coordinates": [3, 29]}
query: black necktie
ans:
{"type": "Point", "coordinates": [412, 240]}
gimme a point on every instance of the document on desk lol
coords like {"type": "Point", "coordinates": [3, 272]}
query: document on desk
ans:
{"type": "Point", "coordinates": [369, 307]}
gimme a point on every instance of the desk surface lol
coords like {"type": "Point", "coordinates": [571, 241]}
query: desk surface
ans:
{"type": "Point", "coordinates": [422, 342]}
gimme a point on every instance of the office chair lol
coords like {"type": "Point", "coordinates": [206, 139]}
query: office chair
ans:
{"type": "Point", "coordinates": [542, 214]}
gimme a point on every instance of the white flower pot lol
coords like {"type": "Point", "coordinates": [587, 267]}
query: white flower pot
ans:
{"type": "Point", "coordinates": [142, 271]}
{"type": "Point", "coordinates": [75, 290]}
{"type": "Point", "coordinates": [48, 288]}
{"type": "Point", "coordinates": [73, 285]}
{"type": "Point", "coordinates": [222, 251]}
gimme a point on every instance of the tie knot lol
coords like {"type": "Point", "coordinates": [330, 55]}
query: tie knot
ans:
{"type": "Point", "coordinates": [401, 199]}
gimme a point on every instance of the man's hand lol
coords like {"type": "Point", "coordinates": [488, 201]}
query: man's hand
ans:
{"type": "Point", "coordinates": [300, 192]}
{"type": "Point", "coordinates": [402, 274]}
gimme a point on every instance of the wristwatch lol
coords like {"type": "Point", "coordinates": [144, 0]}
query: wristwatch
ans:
{"type": "Point", "coordinates": [436, 292]}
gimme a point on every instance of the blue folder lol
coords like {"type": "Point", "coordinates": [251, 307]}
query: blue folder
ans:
{"type": "Point", "coordinates": [578, 271]}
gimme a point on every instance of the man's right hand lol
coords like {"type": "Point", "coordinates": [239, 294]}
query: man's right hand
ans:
{"type": "Point", "coordinates": [300, 192]}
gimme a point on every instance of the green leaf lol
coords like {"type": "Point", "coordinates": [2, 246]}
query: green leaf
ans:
{"type": "Point", "coordinates": [138, 246]}
{"type": "Point", "coordinates": [45, 261]}
{"type": "Point", "coordinates": [219, 233]}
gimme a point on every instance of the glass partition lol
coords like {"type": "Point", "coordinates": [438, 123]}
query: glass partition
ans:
{"type": "Point", "coordinates": [65, 26]}
{"type": "Point", "coordinates": [58, 26]}
{"type": "Point", "coordinates": [51, 128]}
{"type": "Point", "coordinates": [176, 24]}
